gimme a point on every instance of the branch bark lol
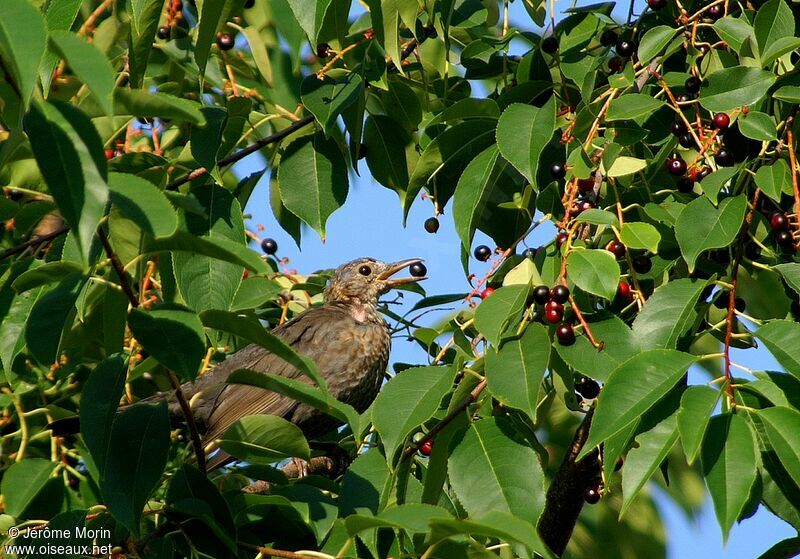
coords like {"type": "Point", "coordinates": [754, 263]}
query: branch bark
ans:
{"type": "Point", "coordinates": [564, 499]}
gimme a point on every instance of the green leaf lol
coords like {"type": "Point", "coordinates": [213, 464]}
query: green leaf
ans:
{"type": "Point", "coordinates": [619, 345]}
{"type": "Point", "coordinates": [172, 335]}
{"type": "Point", "coordinates": [597, 217]}
{"type": "Point", "coordinates": [23, 40]}
{"type": "Point", "coordinates": [140, 446]}
{"type": "Point", "coordinates": [594, 271]}
{"type": "Point", "coordinates": [58, 16]}
{"type": "Point", "coordinates": [697, 403]}
{"type": "Point", "coordinates": [51, 272]}
{"type": "Point", "coordinates": [89, 64]}
{"type": "Point", "coordinates": [523, 131]}
{"type": "Point", "coordinates": [254, 292]}
{"type": "Point", "coordinates": [264, 439]}
{"type": "Point", "coordinates": [220, 248]}
{"type": "Point", "coordinates": [731, 88]}
{"type": "Point", "coordinates": [636, 234]}
{"type": "Point", "coordinates": [143, 25]}
{"type": "Point", "coordinates": [363, 483]}
{"type": "Point", "coordinates": [70, 157]}
{"type": "Point", "coordinates": [300, 391]}
{"type": "Point", "coordinates": [206, 282]}
{"type": "Point", "coordinates": [729, 466]}
{"type": "Point", "coordinates": [784, 549]}
{"type": "Point", "coordinates": [99, 402]}
{"type": "Point", "coordinates": [668, 313]}
{"type": "Point", "coordinates": [407, 401]}
{"type": "Point", "coordinates": [654, 41]}
{"type": "Point", "coordinates": [326, 98]}
{"type": "Point", "coordinates": [146, 104]}
{"type": "Point", "coordinates": [790, 93]}
{"type": "Point", "coordinates": [774, 179]}
{"type": "Point", "coordinates": [411, 517]}
{"type": "Point", "coordinates": [633, 106]}
{"type": "Point", "coordinates": [143, 203]}
{"type": "Point", "coordinates": [23, 481]}
{"type": "Point", "coordinates": [48, 318]}
{"type": "Point", "coordinates": [248, 328]}
{"type": "Point", "coordinates": [734, 31]}
{"type": "Point", "coordinates": [494, 524]}
{"type": "Point", "coordinates": [781, 337]}
{"type": "Point", "coordinates": [782, 424]}
{"type": "Point", "coordinates": [313, 178]}
{"type": "Point", "coordinates": [488, 457]}
{"type": "Point", "coordinates": [310, 15]}
{"type": "Point", "coordinates": [758, 126]}
{"type": "Point", "coordinates": [777, 49]}
{"type": "Point", "coordinates": [213, 15]}
{"type": "Point", "coordinates": [713, 183]}
{"type": "Point", "coordinates": [515, 372]}
{"type": "Point", "coordinates": [500, 311]}
{"type": "Point", "coordinates": [445, 157]}
{"type": "Point", "coordinates": [701, 226]}
{"type": "Point", "coordinates": [774, 21]}
{"type": "Point", "coordinates": [633, 388]}
{"type": "Point", "coordinates": [644, 459]}
{"type": "Point", "coordinates": [791, 274]}
{"type": "Point", "coordinates": [625, 165]}
{"type": "Point", "coordinates": [390, 153]}
{"type": "Point", "coordinates": [479, 187]}
{"type": "Point", "coordinates": [14, 324]}
{"type": "Point", "coordinates": [206, 139]}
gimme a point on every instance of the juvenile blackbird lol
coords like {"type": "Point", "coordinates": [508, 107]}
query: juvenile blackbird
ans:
{"type": "Point", "coordinates": [346, 337]}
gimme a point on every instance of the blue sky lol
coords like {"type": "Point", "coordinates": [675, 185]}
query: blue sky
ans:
{"type": "Point", "coordinates": [370, 224]}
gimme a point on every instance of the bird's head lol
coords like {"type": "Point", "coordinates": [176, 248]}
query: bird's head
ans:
{"type": "Point", "coordinates": [365, 279]}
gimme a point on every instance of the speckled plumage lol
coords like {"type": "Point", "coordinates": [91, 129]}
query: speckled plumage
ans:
{"type": "Point", "coordinates": [346, 337]}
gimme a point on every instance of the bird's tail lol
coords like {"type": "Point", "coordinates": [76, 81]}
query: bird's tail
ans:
{"type": "Point", "coordinates": [65, 426]}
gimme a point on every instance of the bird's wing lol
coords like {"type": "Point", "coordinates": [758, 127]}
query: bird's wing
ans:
{"type": "Point", "coordinates": [309, 334]}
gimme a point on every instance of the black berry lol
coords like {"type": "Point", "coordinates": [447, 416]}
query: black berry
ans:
{"type": "Point", "coordinates": [642, 264]}
{"type": "Point", "coordinates": [692, 84]}
{"type": "Point", "coordinates": [679, 128]}
{"type": "Point", "coordinates": [586, 185]}
{"type": "Point", "coordinates": [608, 38]}
{"type": "Point", "coordinates": [676, 166]}
{"type": "Point", "coordinates": [587, 388]}
{"type": "Point", "coordinates": [529, 253]}
{"type": "Point", "coordinates": [560, 294]}
{"type": "Point", "coordinates": [716, 11]}
{"type": "Point", "coordinates": [418, 270]}
{"type": "Point", "coordinates": [656, 4]}
{"type": "Point", "coordinates": [615, 64]}
{"type": "Point", "coordinates": [724, 158]}
{"type": "Point", "coordinates": [591, 495]}
{"type": "Point", "coordinates": [685, 185]}
{"type": "Point", "coordinates": [163, 33]}
{"type": "Point", "coordinates": [323, 50]}
{"type": "Point", "coordinates": [565, 334]}
{"type": "Point", "coordinates": [249, 4]}
{"type": "Point", "coordinates": [541, 294]}
{"type": "Point", "coordinates": [557, 170]}
{"type": "Point", "coordinates": [739, 304]}
{"type": "Point", "coordinates": [561, 238]}
{"type": "Point", "coordinates": [550, 45]}
{"type": "Point", "coordinates": [482, 253]}
{"type": "Point", "coordinates": [626, 48]}
{"type": "Point", "coordinates": [431, 225]}
{"type": "Point", "coordinates": [778, 221]}
{"type": "Point", "coordinates": [269, 246]}
{"type": "Point", "coordinates": [784, 238]}
{"type": "Point", "coordinates": [686, 140]}
{"type": "Point", "coordinates": [225, 41]}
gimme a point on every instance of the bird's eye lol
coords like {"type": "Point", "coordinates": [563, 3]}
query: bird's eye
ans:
{"type": "Point", "coordinates": [365, 270]}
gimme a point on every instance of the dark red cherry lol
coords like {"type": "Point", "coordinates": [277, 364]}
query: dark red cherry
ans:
{"type": "Point", "coordinates": [565, 334]}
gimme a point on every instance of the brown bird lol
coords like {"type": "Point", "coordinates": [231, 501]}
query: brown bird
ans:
{"type": "Point", "coordinates": [346, 337]}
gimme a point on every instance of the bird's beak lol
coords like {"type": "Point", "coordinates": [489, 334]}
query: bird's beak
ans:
{"type": "Point", "coordinates": [386, 276]}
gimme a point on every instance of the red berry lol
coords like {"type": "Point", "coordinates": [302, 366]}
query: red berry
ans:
{"type": "Point", "coordinates": [587, 205]}
{"type": "Point", "coordinates": [586, 185]}
{"type": "Point", "coordinates": [426, 448]}
{"type": "Point", "coordinates": [591, 495]}
{"type": "Point", "coordinates": [560, 294]}
{"type": "Point", "coordinates": [561, 238]}
{"type": "Point", "coordinates": [778, 221]}
{"type": "Point", "coordinates": [565, 334]}
{"type": "Point", "coordinates": [323, 50]}
{"type": "Point", "coordinates": [615, 64]}
{"type": "Point", "coordinates": [721, 121]}
{"type": "Point", "coordinates": [109, 153]}
{"type": "Point", "coordinates": [624, 290]}
{"type": "Point", "coordinates": [486, 292]}
{"type": "Point", "coordinates": [616, 248]}
{"type": "Point", "coordinates": [656, 4]}
{"type": "Point", "coordinates": [553, 312]}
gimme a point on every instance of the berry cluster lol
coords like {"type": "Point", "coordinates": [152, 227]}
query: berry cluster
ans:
{"type": "Point", "coordinates": [779, 223]}
{"type": "Point", "coordinates": [552, 301]}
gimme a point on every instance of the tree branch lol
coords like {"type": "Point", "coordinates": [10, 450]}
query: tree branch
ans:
{"type": "Point", "coordinates": [565, 497]}
{"type": "Point", "coordinates": [118, 267]}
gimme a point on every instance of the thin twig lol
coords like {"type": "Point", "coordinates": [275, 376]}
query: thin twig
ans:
{"type": "Point", "coordinates": [199, 452]}
{"type": "Point", "coordinates": [118, 267]}
{"type": "Point", "coordinates": [455, 412]}
{"type": "Point", "coordinates": [33, 242]}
